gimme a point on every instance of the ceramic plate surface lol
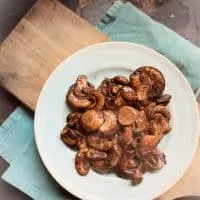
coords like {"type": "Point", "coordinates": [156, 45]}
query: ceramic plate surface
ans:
{"type": "Point", "coordinates": [97, 62]}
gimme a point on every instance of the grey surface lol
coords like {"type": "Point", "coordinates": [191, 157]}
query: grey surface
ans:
{"type": "Point", "coordinates": [183, 16]}
{"type": "Point", "coordinates": [11, 12]}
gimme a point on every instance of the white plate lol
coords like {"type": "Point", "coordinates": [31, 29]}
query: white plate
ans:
{"type": "Point", "coordinates": [97, 62]}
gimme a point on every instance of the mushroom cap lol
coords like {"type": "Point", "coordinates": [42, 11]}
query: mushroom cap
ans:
{"type": "Point", "coordinates": [151, 77]}
{"type": "Point", "coordinates": [70, 136]}
{"type": "Point", "coordinates": [91, 120]}
{"type": "Point", "coordinates": [100, 143]}
{"type": "Point", "coordinates": [94, 154]}
{"type": "Point", "coordinates": [82, 95]}
{"type": "Point", "coordinates": [141, 123]}
{"type": "Point", "coordinates": [100, 167]}
{"type": "Point", "coordinates": [159, 125]}
{"type": "Point", "coordinates": [128, 93]}
{"type": "Point", "coordinates": [164, 99]}
{"type": "Point", "coordinates": [126, 136]}
{"type": "Point", "coordinates": [77, 102]}
{"type": "Point", "coordinates": [110, 125]}
{"type": "Point", "coordinates": [98, 96]}
{"type": "Point", "coordinates": [159, 110]}
{"type": "Point", "coordinates": [150, 141]}
{"type": "Point", "coordinates": [127, 115]}
{"type": "Point", "coordinates": [82, 162]}
{"type": "Point", "coordinates": [137, 176]}
{"type": "Point", "coordinates": [153, 159]}
{"type": "Point", "coordinates": [121, 80]}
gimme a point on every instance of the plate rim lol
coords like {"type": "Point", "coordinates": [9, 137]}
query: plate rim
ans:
{"type": "Point", "coordinates": [103, 44]}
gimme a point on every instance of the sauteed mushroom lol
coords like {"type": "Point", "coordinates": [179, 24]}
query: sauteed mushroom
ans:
{"type": "Point", "coordinates": [127, 115]}
{"type": "Point", "coordinates": [110, 126]}
{"type": "Point", "coordinates": [121, 80]}
{"type": "Point", "coordinates": [149, 80]}
{"type": "Point", "coordinates": [159, 125]}
{"type": "Point", "coordinates": [75, 96]}
{"type": "Point", "coordinates": [126, 136]}
{"type": "Point", "coordinates": [97, 96]}
{"type": "Point", "coordinates": [141, 123]}
{"type": "Point", "coordinates": [106, 165]}
{"type": "Point", "coordinates": [153, 159]}
{"type": "Point", "coordinates": [149, 141]}
{"type": "Point", "coordinates": [95, 154]}
{"type": "Point", "coordinates": [164, 99]}
{"type": "Point", "coordinates": [82, 162]}
{"type": "Point", "coordinates": [99, 143]}
{"type": "Point", "coordinates": [91, 120]}
{"type": "Point", "coordinates": [71, 136]}
{"type": "Point", "coordinates": [128, 93]}
{"type": "Point", "coordinates": [118, 126]}
{"type": "Point", "coordinates": [82, 95]}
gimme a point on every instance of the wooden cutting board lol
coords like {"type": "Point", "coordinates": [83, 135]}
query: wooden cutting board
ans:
{"type": "Point", "coordinates": [44, 37]}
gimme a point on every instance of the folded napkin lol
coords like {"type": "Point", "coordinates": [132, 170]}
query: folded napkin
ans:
{"type": "Point", "coordinates": [123, 22]}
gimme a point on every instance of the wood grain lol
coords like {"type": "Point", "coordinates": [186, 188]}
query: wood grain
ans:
{"type": "Point", "coordinates": [48, 34]}
{"type": "Point", "coordinates": [45, 36]}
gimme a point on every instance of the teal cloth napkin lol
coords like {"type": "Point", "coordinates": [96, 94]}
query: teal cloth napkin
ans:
{"type": "Point", "coordinates": [123, 22]}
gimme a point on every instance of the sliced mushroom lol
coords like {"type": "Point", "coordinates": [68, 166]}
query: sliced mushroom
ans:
{"type": "Point", "coordinates": [137, 176]}
{"type": "Point", "coordinates": [159, 125]}
{"type": "Point", "coordinates": [73, 119]}
{"type": "Point", "coordinates": [127, 115]}
{"type": "Point", "coordinates": [99, 98]}
{"type": "Point", "coordinates": [113, 157]}
{"type": "Point", "coordinates": [82, 95]}
{"type": "Point", "coordinates": [75, 96]}
{"type": "Point", "coordinates": [81, 144]}
{"type": "Point", "coordinates": [113, 103]}
{"type": "Point", "coordinates": [149, 141]}
{"type": "Point", "coordinates": [153, 159]}
{"type": "Point", "coordinates": [77, 102]}
{"type": "Point", "coordinates": [82, 162]}
{"type": "Point", "coordinates": [70, 136]}
{"type": "Point", "coordinates": [150, 77]}
{"type": "Point", "coordinates": [81, 83]}
{"type": "Point", "coordinates": [135, 81]}
{"type": "Point", "coordinates": [91, 120]}
{"type": "Point", "coordinates": [159, 110]}
{"type": "Point", "coordinates": [121, 80]}
{"type": "Point", "coordinates": [119, 102]}
{"type": "Point", "coordinates": [101, 144]}
{"type": "Point", "coordinates": [126, 137]}
{"type": "Point", "coordinates": [128, 93]}
{"type": "Point", "coordinates": [164, 99]}
{"type": "Point", "coordinates": [129, 165]}
{"type": "Point", "coordinates": [114, 90]}
{"type": "Point", "coordinates": [141, 123]}
{"type": "Point", "coordinates": [100, 167]}
{"type": "Point", "coordinates": [110, 126]}
{"type": "Point", "coordinates": [95, 154]}
{"type": "Point", "coordinates": [106, 165]}
{"type": "Point", "coordinates": [111, 92]}
{"type": "Point", "coordinates": [142, 93]}
{"type": "Point", "coordinates": [149, 108]}
{"type": "Point", "coordinates": [105, 86]}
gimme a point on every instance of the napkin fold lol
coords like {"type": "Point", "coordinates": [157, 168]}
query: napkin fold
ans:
{"type": "Point", "coordinates": [123, 22]}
